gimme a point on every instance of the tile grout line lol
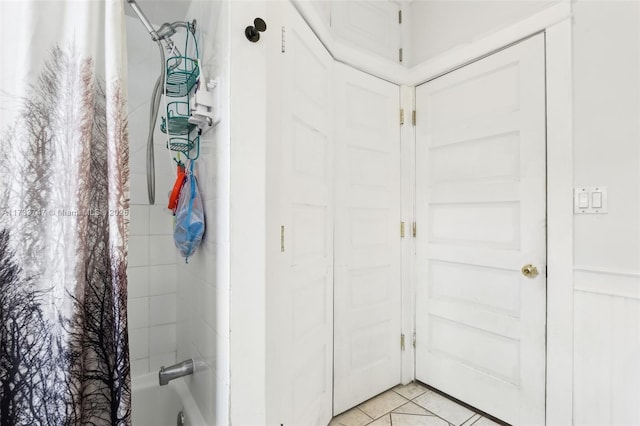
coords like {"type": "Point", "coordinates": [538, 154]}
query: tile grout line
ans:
{"type": "Point", "coordinates": [417, 415]}
{"type": "Point", "coordinates": [373, 420]}
{"type": "Point", "coordinates": [474, 414]}
{"type": "Point", "coordinates": [442, 418]}
{"type": "Point", "coordinates": [407, 400]}
{"type": "Point", "coordinates": [412, 400]}
{"type": "Point", "coordinates": [466, 422]}
{"type": "Point", "coordinates": [426, 415]}
{"type": "Point", "coordinates": [359, 409]}
{"type": "Point", "coordinates": [477, 420]}
{"type": "Point", "coordinates": [392, 412]}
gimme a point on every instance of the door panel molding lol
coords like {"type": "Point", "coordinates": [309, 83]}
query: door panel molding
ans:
{"type": "Point", "coordinates": [484, 226]}
{"type": "Point", "coordinates": [368, 263]}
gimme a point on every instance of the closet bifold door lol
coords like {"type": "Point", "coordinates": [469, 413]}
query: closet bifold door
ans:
{"type": "Point", "coordinates": [300, 200]}
{"type": "Point", "coordinates": [367, 296]}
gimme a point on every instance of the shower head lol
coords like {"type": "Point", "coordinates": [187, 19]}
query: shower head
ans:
{"type": "Point", "coordinates": [165, 31]}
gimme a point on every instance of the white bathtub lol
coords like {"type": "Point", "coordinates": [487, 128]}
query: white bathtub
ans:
{"type": "Point", "coordinates": [155, 405]}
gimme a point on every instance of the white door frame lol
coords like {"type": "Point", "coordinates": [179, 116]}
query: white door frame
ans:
{"type": "Point", "coordinates": [559, 369]}
{"type": "Point", "coordinates": [559, 389]}
{"type": "Point", "coordinates": [559, 398]}
{"type": "Point", "coordinates": [517, 75]}
{"type": "Point", "coordinates": [555, 22]}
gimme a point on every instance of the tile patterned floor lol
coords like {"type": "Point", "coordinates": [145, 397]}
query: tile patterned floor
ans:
{"type": "Point", "coordinates": [410, 405]}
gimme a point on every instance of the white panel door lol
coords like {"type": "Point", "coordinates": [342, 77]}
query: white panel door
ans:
{"type": "Point", "coordinates": [304, 278]}
{"type": "Point", "coordinates": [367, 292]}
{"type": "Point", "coordinates": [371, 25]}
{"type": "Point", "coordinates": [480, 200]}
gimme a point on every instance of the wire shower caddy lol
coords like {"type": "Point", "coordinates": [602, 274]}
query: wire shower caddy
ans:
{"type": "Point", "coordinates": [182, 73]}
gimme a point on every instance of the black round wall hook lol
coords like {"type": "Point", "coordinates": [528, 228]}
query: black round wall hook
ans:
{"type": "Point", "coordinates": [252, 32]}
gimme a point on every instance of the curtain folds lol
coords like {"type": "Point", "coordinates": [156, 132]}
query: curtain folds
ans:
{"type": "Point", "coordinates": [64, 199]}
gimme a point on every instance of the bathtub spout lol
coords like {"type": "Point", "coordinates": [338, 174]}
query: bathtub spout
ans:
{"type": "Point", "coordinates": [175, 371]}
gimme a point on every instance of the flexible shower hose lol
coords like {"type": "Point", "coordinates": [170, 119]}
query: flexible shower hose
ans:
{"type": "Point", "coordinates": [155, 107]}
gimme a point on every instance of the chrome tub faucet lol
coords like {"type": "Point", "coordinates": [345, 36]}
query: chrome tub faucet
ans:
{"type": "Point", "coordinates": [175, 371]}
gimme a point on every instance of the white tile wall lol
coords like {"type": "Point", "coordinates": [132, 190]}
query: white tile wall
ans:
{"type": "Point", "coordinates": [138, 313]}
{"type": "Point", "coordinates": [139, 366]}
{"type": "Point", "coordinates": [160, 220]}
{"type": "Point", "coordinates": [138, 282]}
{"type": "Point", "coordinates": [162, 279]}
{"type": "Point", "coordinates": [162, 250]}
{"type": "Point", "coordinates": [152, 254]}
{"type": "Point", "coordinates": [176, 310]}
{"type": "Point", "coordinates": [138, 249]}
{"type": "Point", "coordinates": [141, 348]}
{"type": "Point", "coordinates": [162, 339]}
{"type": "Point", "coordinates": [164, 359]}
{"type": "Point", "coordinates": [162, 309]}
{"type": "Point", "coordinates": [203, 331]}
{"type": "Point", "coordinates": [140, 226]}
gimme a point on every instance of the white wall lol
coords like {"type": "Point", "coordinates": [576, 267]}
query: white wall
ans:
{"type": "Point", "coordinates": [607, 247]}
{"type": "Point", "coordinates": [203, 285]}
{"type": "Point", "coordinates": [246, 221]}
{"type": "Point", "coordinates": [437, 26]}
{"type": "Point", "coordinates": [152, 255]}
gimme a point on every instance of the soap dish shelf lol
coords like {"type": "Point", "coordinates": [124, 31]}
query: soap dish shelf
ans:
{"type": "Point", "coordinates": [178, 119]}
{"type": "Point", "coordinates": [182, 75]}
{"type": "Point", "coordinates": [185, 145]}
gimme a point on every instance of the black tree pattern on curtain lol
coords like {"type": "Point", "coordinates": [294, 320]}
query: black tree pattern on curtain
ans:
{"type": "Point", "coordinates": [64, 357]}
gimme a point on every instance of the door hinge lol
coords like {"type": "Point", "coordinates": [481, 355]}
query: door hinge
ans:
{"type": "Point", "coordinates": [413, 117]}
{"type": "Point", "coordinates": [402, 342]}
{"type": "Point", "coordinates": [401, 229]}
{"type": "Point", "coordinates": [401, 117]}
{"type": "Point", "coordinates": [400, 17]}
{"type": "Point", "coordinates": [283, 36]}
{"type": "Point", "coordinates": [414, 229]}
{"type": "Point", "coordinates": [414, 340]}
{"type": "Point", "coordinates": [400, 54]}
{"type": "Point", "coordinates": [282, 238]}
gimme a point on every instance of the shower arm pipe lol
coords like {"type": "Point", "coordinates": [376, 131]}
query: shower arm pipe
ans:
{"type": "Point", "coordinates": [169, 45]}
{"type": "Point", "coordinates": [143, 19]}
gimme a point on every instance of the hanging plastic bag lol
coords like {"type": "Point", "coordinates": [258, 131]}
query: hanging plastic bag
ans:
{"type": "Point", "coordinates": [189, 227]}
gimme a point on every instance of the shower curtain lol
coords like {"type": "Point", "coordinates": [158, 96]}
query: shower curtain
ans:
{"type": "Point", "coordinates": [63, 214]}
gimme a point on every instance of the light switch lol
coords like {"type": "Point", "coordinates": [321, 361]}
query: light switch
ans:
{"type": "Point", "coordinates": [583, 200]}
{"type": "Point", "coordinates": [590, 200]}
{"type": "Point", "coordinates": [596, 200]}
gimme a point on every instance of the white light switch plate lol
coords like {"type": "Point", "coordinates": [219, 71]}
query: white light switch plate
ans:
{"type": "Point", "coordinates": [590, 200]}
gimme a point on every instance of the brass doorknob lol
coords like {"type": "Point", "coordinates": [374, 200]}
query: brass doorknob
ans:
{"type": "Point", "coordinates": [529, 271]}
